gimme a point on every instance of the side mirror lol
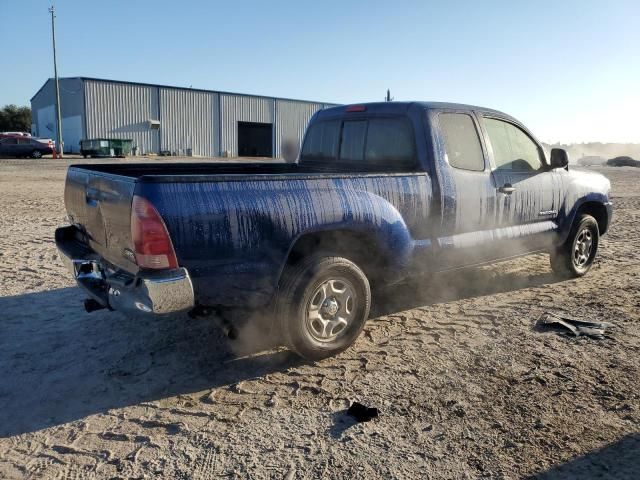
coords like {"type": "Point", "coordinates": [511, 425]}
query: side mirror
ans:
{"type": "Point", "coordinates": [559, 158]}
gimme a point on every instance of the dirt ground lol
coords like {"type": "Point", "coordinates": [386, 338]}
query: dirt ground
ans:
{"type": "Point", "coordinates": [466, 386]}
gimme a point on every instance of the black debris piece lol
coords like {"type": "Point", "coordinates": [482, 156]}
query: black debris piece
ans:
{"type": "Point", "coordinates": [362, 413]}
{"type": "Point", "coordinates": [573, 326]}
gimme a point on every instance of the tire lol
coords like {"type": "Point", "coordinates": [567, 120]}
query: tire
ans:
{"type": "Point", "coordinates": [36, 154]}
{"type": "Point", "coordinates": [322, 306]}
{"type": "Point", "coordinates": [575, 257]}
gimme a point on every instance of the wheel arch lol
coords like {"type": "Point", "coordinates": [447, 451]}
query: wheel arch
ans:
{"type": "Point", "coordinates": [594, 206]}
{"type": "Point", "coordinates": [365, 248]}
{"type": "Point", "coordinates": [598, 211]}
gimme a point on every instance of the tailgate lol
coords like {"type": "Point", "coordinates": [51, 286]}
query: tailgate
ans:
{"type": "Point", "coordinates": [99, 204]}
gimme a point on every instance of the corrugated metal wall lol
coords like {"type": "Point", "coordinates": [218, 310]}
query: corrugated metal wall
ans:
{"type": "Point", "coordinates": [72, 110]}
{"type": "Point", "coordinates": [241, 108]}
{"type": "Point", "coordinates": [189, 120]}
{"type": "Point", "coordinates": [291, 121]}
{"type": "Point", "coordinates": [122, 110]}
{"type": "Point", "coordinates": [204, 121]}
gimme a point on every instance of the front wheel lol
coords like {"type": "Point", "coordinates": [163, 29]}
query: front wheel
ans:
{"type": "Point", "coordinates": [575, 257]}
{"type": "Point", "coordinates": [36, 154]}
{"type": "Point", "coordinates": [322, 306]}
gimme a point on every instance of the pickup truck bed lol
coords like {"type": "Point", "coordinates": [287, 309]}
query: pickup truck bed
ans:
{"type": "Point", "coordinates": [138, 170]}
{"type": "Point", "coordinates": [99, 197]}
{"type": "Point", "coordinates": [381, 192]}
{"type": "Point", "coordinates": [188, 170]}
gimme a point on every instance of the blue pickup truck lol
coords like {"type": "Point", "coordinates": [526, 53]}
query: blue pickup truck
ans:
{"type": "Point", "coordinates": [380, 193]}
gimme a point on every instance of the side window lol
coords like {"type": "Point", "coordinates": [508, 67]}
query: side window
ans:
{"type": "Point", "coordinates": [461, 141]}
{"type": "Point", "coordinates": [321, 141]}
{"type": "Point", "coordinates": [10, 141]}
{"type": "Point", "coordinates": [24, 141]}
{"type": "Point", "coordinates": [390, 140]}
{"type": "Point", "coordinates": [512, 148]}
{"type": "Point", "coordinates": [352, 146]}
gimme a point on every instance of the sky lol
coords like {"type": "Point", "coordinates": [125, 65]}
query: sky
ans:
{"type": "Point", "coordinates": [569, 70]}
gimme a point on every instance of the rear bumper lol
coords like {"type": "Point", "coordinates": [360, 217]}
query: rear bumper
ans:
{"type": "Point", "coordinates": [158, 293]}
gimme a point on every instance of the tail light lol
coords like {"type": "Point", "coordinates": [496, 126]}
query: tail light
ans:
{"type": "Point", "coordinates": [152, 244]}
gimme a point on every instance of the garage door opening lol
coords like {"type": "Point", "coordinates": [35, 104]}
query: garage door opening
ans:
{"type": "Point", "coordinates": [255, 139]}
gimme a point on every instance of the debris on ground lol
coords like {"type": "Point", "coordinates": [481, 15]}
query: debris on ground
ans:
{"type": "Point", "coordinates": [573, 326]}
{"type": "Point", "coordinates": [361, 412]}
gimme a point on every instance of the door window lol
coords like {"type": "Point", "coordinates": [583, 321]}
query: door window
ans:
{"type": "Point", "coordinates": [513, 149]}
{"type": "Point", "coordinates": [461, 141]}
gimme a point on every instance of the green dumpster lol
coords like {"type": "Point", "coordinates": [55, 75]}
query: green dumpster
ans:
{"type": "Point", "coordinates": [105, 147]}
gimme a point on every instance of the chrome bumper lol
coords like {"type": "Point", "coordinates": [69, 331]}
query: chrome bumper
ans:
{"type": "Point", "coordinates": [162, 294]}
{"type": "Point", "coordinates": [156, 293]}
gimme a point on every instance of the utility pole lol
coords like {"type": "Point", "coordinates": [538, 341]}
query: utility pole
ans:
{"type": "Point", "coordinates": [388, 98]}
{"type": "Point", "coordinates": [59, 145]}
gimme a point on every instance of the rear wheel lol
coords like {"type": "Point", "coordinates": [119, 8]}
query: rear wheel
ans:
{"type": "Point", "coordinates": [575, 257]}
{"type": "Point", "coordinates": [36, 154]}
{"type": "Point", "coordinates": [323, 305]}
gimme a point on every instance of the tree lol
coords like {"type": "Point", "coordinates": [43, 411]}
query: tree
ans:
{"type": "Point", "coordinates": [15, 119]}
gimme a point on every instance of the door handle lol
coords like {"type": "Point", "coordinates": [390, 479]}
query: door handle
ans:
{"type": "Point", "coordinates": [507, 188]}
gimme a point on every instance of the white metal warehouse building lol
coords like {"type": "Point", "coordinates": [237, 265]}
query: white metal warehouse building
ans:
{"type": "Point", "coordinates": [179, 121]}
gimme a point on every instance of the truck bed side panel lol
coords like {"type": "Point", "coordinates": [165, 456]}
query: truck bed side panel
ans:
{"type": "Point", "coordinates": [234, 236]}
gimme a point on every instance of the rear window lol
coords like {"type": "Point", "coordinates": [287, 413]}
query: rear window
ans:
{"type": "Point", "coordinates": [371, 143]}
{"type": "Point", "coordinates": [321, 141]}
{"type": "Point", "coordinates": [352, 144]}
{"type": "Point", "coordinates": [390, 140]}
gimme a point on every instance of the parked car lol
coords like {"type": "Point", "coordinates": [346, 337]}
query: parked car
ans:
{"type": "Point", "coordinates": [14, 134]}
{"type": "Point", "coordinates": [381, 194]}
{"type": "Point", "coordinates": [623, 162]}
{"type": "Point", "coordinates": [22, 146]}
{"type": "Point", "coordinates": [592, 160]}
